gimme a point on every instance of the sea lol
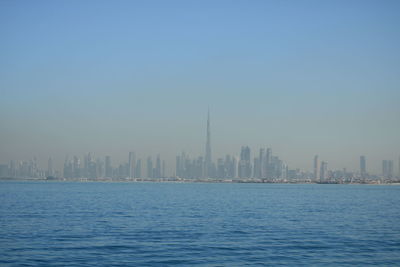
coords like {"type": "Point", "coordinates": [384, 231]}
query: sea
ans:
{"type": "Point", "coordinates": [198, 224]}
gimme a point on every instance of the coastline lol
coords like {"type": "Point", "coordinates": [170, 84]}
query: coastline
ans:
{"type": "Point", "coordinates": [175, 180]}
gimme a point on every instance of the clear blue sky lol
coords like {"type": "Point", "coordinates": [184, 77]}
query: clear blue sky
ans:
{"type": "Point", "coordinates": [303, 77]}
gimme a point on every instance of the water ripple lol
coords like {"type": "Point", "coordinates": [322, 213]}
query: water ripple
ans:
{"type": "Point", "coordinates": [148, 224]}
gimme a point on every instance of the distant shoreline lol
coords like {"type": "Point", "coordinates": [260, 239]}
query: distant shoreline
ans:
{"type": "Point", "coordinates": [167, 180]}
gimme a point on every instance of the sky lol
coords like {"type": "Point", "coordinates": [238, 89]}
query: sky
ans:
{"type": "Point", "coordinates": [109, 77]}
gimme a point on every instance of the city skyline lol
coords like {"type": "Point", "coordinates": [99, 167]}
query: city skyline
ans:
{"type": "Point", "coordinates": [138, 76]}
{"type": "Point", "coordinates": [218, 133]}
{"type": "Point", "coordinates": [375, 165]}
{"type": "Point", "coordinates": [245, 165]}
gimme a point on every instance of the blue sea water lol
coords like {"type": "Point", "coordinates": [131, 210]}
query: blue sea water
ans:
{"type": "Point", "coordinates": [161, 224]}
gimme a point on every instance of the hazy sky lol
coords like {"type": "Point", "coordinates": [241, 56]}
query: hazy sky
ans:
{"type": "Point", "coordinates": [302, 77]}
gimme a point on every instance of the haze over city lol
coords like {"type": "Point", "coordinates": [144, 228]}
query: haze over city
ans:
{"type": "Point", "coordinates": [187, 133]}
{"type": "Point", "coordinates": [139, 76]}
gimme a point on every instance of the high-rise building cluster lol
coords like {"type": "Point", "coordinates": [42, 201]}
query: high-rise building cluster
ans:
{"type": "Point", "coordinates": [17, 169]}
{"type": "Point", "coordinates": [95, 168]}
{"type": "Point", "coordinates": [321, 173]}
{"type": "Point", "coordinates": [266, 166]}
{"type": "Point", "coordinates": [263, 166]}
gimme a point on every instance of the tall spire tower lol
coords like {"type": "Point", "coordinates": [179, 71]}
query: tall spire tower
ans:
{"type": "Point", "coordinates": [208, 159]}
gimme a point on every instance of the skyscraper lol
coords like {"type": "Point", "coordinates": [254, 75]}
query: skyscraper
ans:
{"type": "Point", "coordinates": [138, 169]}
{"type": "Point", "coordinates": [50, 171]}
{"type": "Point", "coordinates": [76, 167]}
{"type": "Point", "coordinates": [108, 167]}
{"type": "Point", "coordinates": [163, 169]}
{"type": "Point", "coordinates": [384, 168]}
{"type": "Point", "coordinates": [150, 171]}
{"type": "Point", "coordinates": [316, 168]}
{"type": "Point", "coordinates": [245, 167]}
{"type": "Point", "coordinates": [157, 173]}
{"type": "Point", "coordinates": [363, 166]}
{"type": "Point", "coordinates": [387, 168]}
{"type": "Point", "coordinates": [132, 164]}
{"type": "Point", "coordinates": [323, 172]}
{"type": "Point", "coordinates": [263, 163]}
{"type": "Point", "coordinates": [256, 168]}
{"type": "Point", "coordinates": [208, 159]}
{"type": "Point", "coordinates": [399, 168]}
{"type": "Point", "coordinates": [268, 164]}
